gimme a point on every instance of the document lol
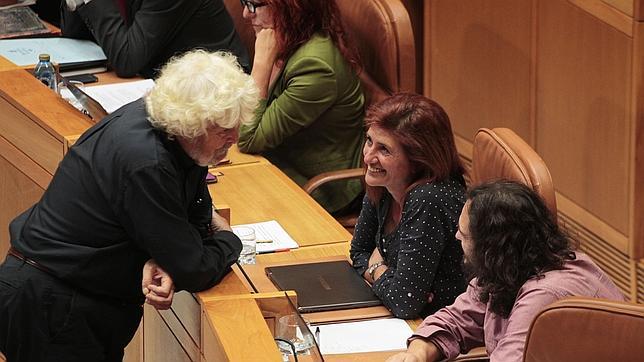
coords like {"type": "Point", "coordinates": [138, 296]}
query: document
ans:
{"type": "Point", "coordinates": [365, 336]}
{"type": "Point", "coordinates": [63, 51]}
{"type": "Point", "coordinates": [115, 96]}
{"type": "Point", "coordinates": [271, 237]}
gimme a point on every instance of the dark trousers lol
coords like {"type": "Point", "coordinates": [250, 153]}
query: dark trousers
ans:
{"type": "Point", "coordinates": [44, 319]}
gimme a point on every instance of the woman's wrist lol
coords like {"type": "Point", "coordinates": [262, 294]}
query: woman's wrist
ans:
{"type": "Point", "coordinates": [371, 271]}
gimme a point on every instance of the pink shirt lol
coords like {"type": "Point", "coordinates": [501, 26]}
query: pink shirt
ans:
{"type": "Point", "coordinates": [468, 323]}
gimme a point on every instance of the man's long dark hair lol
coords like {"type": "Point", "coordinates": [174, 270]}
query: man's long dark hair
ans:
{"type": "Point", "coordinates": [515, 237]}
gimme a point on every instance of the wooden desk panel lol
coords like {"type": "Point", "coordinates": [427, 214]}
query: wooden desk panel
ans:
{"type": "Point", "coordinates": [261, 192]}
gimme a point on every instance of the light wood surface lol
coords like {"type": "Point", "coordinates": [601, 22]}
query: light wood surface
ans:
{"type": "Point", "coordinates": [584, 121]}
{"type": "Point", "coordinates": [261, 192]}
{"type": "Point", "coordinates": [488, 47]}
{"type": "Point", "coordinates": [239, 332]}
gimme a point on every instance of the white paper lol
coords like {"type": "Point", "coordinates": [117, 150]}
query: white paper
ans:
{"type": "Point", "coordinates": [24, 52]}
{"type": "Point", "coordinates": [365, 336]}
{"type": "Point", "coordinates": [115, 96]}
{"type": "Point", "coordinates": [271, 230]}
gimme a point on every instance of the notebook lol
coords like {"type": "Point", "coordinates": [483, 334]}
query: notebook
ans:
{"type": "Point", "coordinates": [324, 286]}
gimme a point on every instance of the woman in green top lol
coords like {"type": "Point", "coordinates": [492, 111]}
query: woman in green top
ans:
{"type": "Point", "coordinates": [310, 118]}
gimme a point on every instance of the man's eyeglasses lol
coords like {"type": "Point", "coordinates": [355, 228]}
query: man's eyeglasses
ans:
{"type": "Point", "coordinates": [251, 6]}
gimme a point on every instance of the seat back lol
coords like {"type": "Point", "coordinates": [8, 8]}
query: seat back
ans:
{"type": "Point", "coordinates": [500, 153]}
{"type": "Point", "coordinates": [584, 329]}
{"type": "Point", "coordinates": [382, 32]}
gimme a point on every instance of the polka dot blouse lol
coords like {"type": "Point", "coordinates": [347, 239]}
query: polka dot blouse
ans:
{"type": "Point", "coordinates": [423, 257]}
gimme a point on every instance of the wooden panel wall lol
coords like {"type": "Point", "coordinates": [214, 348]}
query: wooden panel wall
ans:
{"type": "Point", "coordinates": [478, 63]}
{"type": "Point", "coordinates": [583, 109]}
{"type": "Point", "coordinates": [568, 77]}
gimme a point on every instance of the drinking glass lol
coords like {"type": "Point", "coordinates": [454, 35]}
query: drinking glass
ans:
{"type": "Point", "coordinates": [67, 95]}
{"type": "Point", "coordinates": [288, 329]}
{"type": "Point", "coordinates": [249, 244]}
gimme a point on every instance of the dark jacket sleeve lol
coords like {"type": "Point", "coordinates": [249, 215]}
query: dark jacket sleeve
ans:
{"type": "Point", "coordinates": [424, 229]}
{"type": "Point", "coordinates": [364, 236]}
{"type": "Point", "coordinates": [130, 48]}
{"type": "Point", "coordinates": [156, 218]}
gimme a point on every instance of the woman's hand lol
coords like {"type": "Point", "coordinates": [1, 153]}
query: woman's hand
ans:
{"type": "Point", "coordinates": [375, 257]}
{"type": "Point", "coordinates": [265, 57]}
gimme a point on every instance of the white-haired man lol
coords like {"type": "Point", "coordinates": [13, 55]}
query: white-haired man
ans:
{"type": "Point", "coordinates": [126, 218]}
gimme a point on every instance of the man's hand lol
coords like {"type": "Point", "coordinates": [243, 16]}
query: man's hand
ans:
{"type": "Point", "coordinates": [73, 4]}
{"type": "Point", "coordinates": [219, 223]}
{"type": "Point", "coordinates": [157, 286]}
{"type": "Point", "coordinates": [404, 357]}
{"type": "Point", "coordinates": [419, 350]}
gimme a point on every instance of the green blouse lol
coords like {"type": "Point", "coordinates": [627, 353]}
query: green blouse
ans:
{"type": "Point", "coordinates": [312, 121]}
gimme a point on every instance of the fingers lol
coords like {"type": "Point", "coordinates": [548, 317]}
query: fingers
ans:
{"type": "Point", "coordinates": [159, 298]}
{"type": "Point", "coordinates": [149, 270]}
{"type": "Point", "coordinates": [157, 286]}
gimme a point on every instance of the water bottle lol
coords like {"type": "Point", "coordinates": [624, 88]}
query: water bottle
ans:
{"type": "Point", "coordinates": [45, 72]}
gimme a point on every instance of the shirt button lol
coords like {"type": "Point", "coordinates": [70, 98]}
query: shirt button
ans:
{"type": "Point", "coordinates": [384, 250]}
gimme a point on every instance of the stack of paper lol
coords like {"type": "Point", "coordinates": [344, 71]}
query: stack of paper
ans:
{"type": "Point", "coordinates": [364, 336]}
{"type": "Point", "coordinates": [271, 237]}
{"type": "Point", "coordinates": [115, 96]}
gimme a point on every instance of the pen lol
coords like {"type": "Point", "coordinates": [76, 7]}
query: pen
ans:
{"type": "Point", "coordinates": [317, 335]}
{"type": "Point", "coordinates": [273, 251]}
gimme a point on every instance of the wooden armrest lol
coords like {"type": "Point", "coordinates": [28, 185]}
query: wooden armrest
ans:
{"type": "Point", "coordinates": [325, 177]}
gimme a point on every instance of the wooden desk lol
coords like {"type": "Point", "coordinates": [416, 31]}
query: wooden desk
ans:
{"type": "Point", "coordinates": [259, 192]}
{"type": "Point", "coordinates": [220, 313]}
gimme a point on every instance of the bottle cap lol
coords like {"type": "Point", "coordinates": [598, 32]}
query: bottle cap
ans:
{"type": "Point", "coordinates": [43, 57]}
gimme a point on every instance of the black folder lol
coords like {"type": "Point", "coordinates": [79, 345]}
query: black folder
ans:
{"type": "Point", "coordinates": [324, 286]}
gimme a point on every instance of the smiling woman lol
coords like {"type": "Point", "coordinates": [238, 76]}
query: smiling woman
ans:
{"type": "Point", "coordinates": [404, 241]}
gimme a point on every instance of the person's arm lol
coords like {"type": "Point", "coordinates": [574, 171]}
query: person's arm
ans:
{"type": "Point", "coordinates": [130, 48]}
{"type": "Point", "coordinates": [424, 230]}
{"type": "Point", "coordinates": [264, 61]}
{"type": "Point", "coordinates": [457, 328]}
{"type": "Point", "coordinates": [511, 345]}
{"type": "Point", "coordinates": [364, 237]}
{"type": "Point", "coordinates": [155, 216]}
{"type": "Point", "coordinates": [311, 90]}
{"type": "Point", "coordinates": [419, 350]}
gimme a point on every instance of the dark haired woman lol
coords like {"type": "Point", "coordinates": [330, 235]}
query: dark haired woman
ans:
{"type": "Point", "coordinates": [404, 241]}
{"type": "Point", "coordinates": [310, 118]}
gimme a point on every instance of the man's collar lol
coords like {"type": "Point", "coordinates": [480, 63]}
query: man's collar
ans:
{"type": "Point", "coordinates": [173, 145]}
